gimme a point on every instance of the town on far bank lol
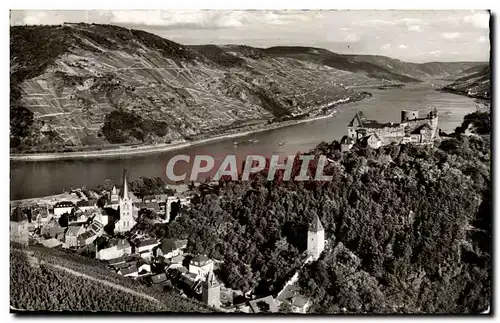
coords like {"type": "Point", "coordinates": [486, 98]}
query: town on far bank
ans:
{"type": "Point", "coordinates": [109, 225]}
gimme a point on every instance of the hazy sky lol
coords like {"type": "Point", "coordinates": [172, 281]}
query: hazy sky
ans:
{"type": "Point", "coordinates": [407, 35]}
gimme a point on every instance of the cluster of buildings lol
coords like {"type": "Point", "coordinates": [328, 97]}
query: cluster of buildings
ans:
{"type": "Point", "coordinates": [411, 129]}
{"type": "Point", "coordinates": [161, 262]}
{"type": "Point", "coordinates": [86, 220]}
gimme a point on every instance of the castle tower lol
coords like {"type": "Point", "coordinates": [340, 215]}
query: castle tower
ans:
{"type": "Point", "coordinates": [315, 238]}
{"type": "Point", "coordinates": [126, 221]}
{"type": "Point", "coordinates": [211, 291]}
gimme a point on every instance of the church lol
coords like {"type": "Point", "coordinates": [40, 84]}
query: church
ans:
{"type": "Point", "coordinates": [123, 202]}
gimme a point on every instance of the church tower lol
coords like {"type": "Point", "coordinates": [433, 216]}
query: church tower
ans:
{"type": "Point", "coordinates": [114, 196]}
{"type": "Point", "coordinates": [126, 221]}
{"type": "Point", "coordinates": [315, 238]}
{"type": "Point", "coordinates": [211, 291]}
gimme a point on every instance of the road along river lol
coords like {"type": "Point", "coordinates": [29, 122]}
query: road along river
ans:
{"type": "Point", "coordinates": [34, 179]}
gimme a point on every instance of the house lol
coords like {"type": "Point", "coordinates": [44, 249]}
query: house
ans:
{"type": "Point", "coordinates": [116, 261]}
{"type": "Point", "coordinates": [143, 267]}
{"type": "Point", "coordinates": [291, 295]}
{"type": "Point", "coordinates": [19, 227]}
{"type": "Point", "coordinates": [118, 248]}
{"type": "Point", "coordinates": [86, 238]}
{"type": "Point", "coordinates": [170, 248]}
{"type": "Point", "coordinates": [347, 143]}
{"type": "Point", "coordinates": [263, 305]}
{"type": "Point", "coordinates": [95, 230]}
{"type": "Point", "coordinates": [146, 245]}
{"type": "Point", "coordinates": [54, 231]}
{"type": "Point", "coordinates": [71, 236]}
{"type": "Point", "coordinates": [86, 205]}
{"type": "Point", "coordinates": [149, 199]}
{"type": "Point", "coordinates": [201, 265]}
{"type": "Point", "coordinates": [374, 141]}
{"type": "Point", "coordinates": [78, 217]}
{"type": "Point", "coordinates": [40, 215]}
{"type": "Point", "coordinates": [130, 271]}
{"type": "Point", "coordinates": [63, 207]}
{"type": "Point", "coordinates": [158, 279]}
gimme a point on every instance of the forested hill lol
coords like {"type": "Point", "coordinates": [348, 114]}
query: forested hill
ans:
{"type": "Point", "coordinates": [76, 86]}
{"type": "Point", "coordinates": [409, 228]}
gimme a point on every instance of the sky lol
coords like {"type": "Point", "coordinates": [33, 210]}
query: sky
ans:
{"type": "Point", "coordinates": [409, 35]}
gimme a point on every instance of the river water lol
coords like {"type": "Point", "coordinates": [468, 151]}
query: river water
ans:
{"type": "Point", "coordinates": [34, 179]}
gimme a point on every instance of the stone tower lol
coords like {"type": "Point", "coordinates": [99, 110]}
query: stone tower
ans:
{"type": "Point", "coordinates": [126, 221]}
{"type": "Point", "coordinates": [211, 291]}
{"type": "Point", "coordinates": [114, 196]}
{"type": "Point", "coordinates": [315, 238]}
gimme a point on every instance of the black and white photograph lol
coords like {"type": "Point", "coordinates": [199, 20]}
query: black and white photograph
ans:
{"type": "Point", "coordinates": [250, 162]}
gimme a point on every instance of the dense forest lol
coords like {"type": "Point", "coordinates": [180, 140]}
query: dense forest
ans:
{"type": "Point", "coordinates": [408, 228]}
{"type": "Point", "coordinates": [120, 126]}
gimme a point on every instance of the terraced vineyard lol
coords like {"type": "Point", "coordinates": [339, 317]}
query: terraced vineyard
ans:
{"type": "Point", "coordinates": [65, 81]}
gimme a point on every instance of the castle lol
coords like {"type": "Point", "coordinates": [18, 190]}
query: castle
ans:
{"type": "Point", "coordinates": [411, 129]}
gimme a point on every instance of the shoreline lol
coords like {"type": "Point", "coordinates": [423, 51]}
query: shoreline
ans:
{"type": "Point", "coordinates": [159, 148]}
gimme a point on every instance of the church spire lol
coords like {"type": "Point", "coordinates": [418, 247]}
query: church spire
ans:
{"type": "Point", "coordinates": [125, 185]}
{"type": "Point", "coordinates": [316, 224]}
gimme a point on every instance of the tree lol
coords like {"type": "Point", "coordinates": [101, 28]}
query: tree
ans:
{"type": "Point", "coordinates": [263, 307]}
{"type": "Point", "coordinates": [64, 220]}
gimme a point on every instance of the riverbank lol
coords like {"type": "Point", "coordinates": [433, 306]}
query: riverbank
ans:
{"type": "Point", "coordinates": [158, 148]}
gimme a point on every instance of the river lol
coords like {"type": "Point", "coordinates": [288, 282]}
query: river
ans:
{"type": "Point", "coordinates": [35, 179]}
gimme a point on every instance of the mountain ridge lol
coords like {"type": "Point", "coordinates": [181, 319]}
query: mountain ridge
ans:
{"type": "Point", "coordinates": [67, 80]}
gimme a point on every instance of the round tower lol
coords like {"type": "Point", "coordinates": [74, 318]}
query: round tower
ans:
{"type": "Point", "coordinates": [407, 115]}
{"type": "Point", "coordinates": [315, 238]}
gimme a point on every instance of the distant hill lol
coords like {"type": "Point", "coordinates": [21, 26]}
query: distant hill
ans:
{"type": "Point", "coordinates": [475, 84]}
{"type": "Point", "coordinates": [373, 65]}
{"type": "Point", "coordinates": [73, 88]}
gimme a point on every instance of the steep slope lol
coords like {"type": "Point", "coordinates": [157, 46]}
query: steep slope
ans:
{"type": "Point", "coordinates": [66, 81]}
{"type": "Point", "coordinates": [476, 84]}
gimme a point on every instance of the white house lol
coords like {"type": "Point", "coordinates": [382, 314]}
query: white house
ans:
{"type": "Point", "coordinates": [118, 248]}
{"type": "Point", "coordinates": [170, 248]}
{"type": "Point", "coordinates": [201, 265]}
{"type": "Point", "coordinates": [87, 205]}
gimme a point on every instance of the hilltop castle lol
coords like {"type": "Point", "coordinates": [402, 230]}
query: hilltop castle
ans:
{"type": "Point", "coordinates": [411, 129]}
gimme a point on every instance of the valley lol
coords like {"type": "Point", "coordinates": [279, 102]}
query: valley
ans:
{"type": "Point", "coordinates": [67, 84]}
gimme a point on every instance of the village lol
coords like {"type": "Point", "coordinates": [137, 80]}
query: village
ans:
{"type": "Point", "coordinates": [101, 226]}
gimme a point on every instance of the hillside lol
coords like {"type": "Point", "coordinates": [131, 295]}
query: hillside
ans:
{"type": "Point", "coordinates": [408, 228]}
{"type": "Point", "coordinates": [379, 67]}
{"type": "Point", "coordinates": [476, 83]}
{"type": "Point", "coordinates": [72, 88]}
{"type": "Point", "coordinates": [42, 279]}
